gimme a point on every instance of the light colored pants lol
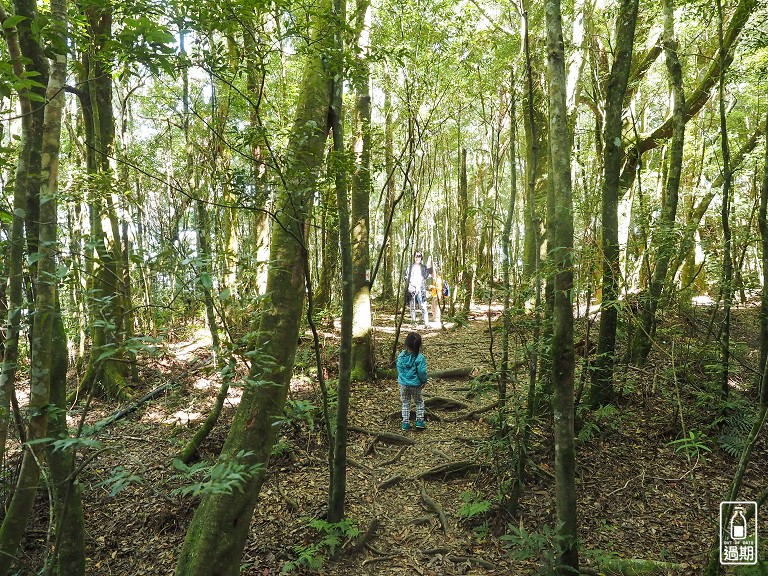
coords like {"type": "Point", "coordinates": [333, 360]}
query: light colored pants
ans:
{"type": "Point", "coordinates": [417, 299]}
{"type": "Point", "coordinates": [408, 393]}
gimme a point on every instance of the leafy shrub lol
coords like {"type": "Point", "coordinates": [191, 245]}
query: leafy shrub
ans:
{"type": "Point", "coordinates": [332, 535]}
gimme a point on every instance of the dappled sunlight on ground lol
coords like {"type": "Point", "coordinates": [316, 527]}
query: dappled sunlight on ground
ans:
{"type": "Point", "coordinates": [702, 300]}
{"type": "Point", "coordinates": [186, 350]}
{"type": "Point", "coordinates": [204, 384]}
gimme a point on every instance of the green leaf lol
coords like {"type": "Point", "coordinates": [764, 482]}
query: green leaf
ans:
{"type": "Point", "coordinates": [11, 21]}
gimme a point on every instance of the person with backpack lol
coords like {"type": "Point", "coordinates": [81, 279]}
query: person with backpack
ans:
{"type": "Point", "coordinates": [416, 287]}
{"type": "Point", "coordinates": [412, 377]}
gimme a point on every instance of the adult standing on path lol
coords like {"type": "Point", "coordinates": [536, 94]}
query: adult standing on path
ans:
{"type": "Point", "coordinates": [416, 291]}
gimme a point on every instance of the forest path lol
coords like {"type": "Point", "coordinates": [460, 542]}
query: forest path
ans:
{"type": "Point", "coordinates": [395, 480]}
{"type": "Point", "coordinates": [638, 496]}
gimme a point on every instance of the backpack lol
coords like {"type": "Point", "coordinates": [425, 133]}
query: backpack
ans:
{"type": "Point", "coordinates": [446, 288]}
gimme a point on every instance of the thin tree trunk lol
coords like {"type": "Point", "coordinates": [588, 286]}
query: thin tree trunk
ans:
{"type": "Point", "coordinates": [763, 224]}
{"type": "Point", "coordinates": [387, 289]}
{"type": "Point", "coordinates": [34, 144]}
{"type": "Point", "coordinates": [338, 488]}
{"type": "Point", "coordinates": [69, 549]}
{"type": "Point", "coordinates": [362, 352]}
{"type": "Point", "coordinates": [601, 391]}
{"type": "Point", "coordinates": [16, 244]}
{"type": "Point", "coordinates": [562, 333]}
{"type": "Point", "coordinates": [664, 237]}
{"type": "Point", "coordinates": [725, 216]}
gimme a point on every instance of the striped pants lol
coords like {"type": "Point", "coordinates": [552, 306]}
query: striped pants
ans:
{"type": "Point", "coordinates": [408, 393]}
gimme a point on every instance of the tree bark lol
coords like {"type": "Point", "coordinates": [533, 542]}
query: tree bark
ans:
{"type": "Point", "coordinates": [338, 487]}
{"type": "Point", "coordinates": [664, 237]}
{"type": "Point", "coordinates": [763, 225]}
{"type": "Point", "coordinates": [219, 528]}
{"type": "Point", "coordinates": [560, 251]}
{"type": "Point", "coordinates": [362, 352]}
{"type": "Point", "coordinates": [601, 391]}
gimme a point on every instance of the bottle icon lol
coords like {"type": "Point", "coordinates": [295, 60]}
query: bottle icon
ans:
{"type": "Point", "coordinates": [738, 524]}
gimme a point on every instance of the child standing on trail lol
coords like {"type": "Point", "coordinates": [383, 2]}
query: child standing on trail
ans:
{"type": "Point", "coordinates": [412, 376]}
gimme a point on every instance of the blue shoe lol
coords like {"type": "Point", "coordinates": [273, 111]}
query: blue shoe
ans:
{"type": "Point", "coordinates": [420, 424]}
{"type": "Point", "coordinates": [406, 426]}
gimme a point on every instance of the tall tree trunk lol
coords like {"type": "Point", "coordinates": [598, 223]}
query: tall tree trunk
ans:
{"type": "Point", "coordinates": [388, 266]}
{"type": "Point", "coordinates": [465, 226]}
{"type": "Point", "coordinates": [16, 243]}
{"type": "Point", "coordinates": [260, 221]}
{"type": "Point", "coordinates": [601, 391]}
{"type": "Point", "coordinates": [362, 352]}
{"type": "Point", "coordinates": [107, 306]}
{"type": "Point", "coordinates": [763, 224]}
{"type": "Point", "coordinates": [725, 216]}
{"type": "Point", "coordinates": [69, 550]}
{"type": "Point", "coordinates": [664, 236]}
{"type": "Point", "coordinates": [329, 249]}
{"type": "Point", "coordinates": [560, 251]}
{"type": "Point", "coordinates": [219, 528]}
{"type": "Point", "coordinates": [40, 213]}
{"type": "Point", "coordinates": [338, 487]}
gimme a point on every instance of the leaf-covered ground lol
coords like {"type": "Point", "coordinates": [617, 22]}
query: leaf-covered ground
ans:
{"type": "Point", "coordinates": [638, 496]}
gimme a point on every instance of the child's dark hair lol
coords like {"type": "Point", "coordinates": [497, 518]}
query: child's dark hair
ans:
{"type": "Point", "coordinates": [413, 343]}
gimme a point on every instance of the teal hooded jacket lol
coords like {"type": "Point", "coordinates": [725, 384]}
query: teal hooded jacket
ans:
{"type": "Point", "coordinates": [411, 370]}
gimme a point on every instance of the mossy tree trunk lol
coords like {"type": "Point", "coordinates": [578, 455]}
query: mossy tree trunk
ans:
{"type": "Point", "coordinates": [219, 528]}
{"type": "Point", "coordinates": [107, 305]}
{"type": "Point", "coordinates": [762, 219]}
{"type": "Point", "coordinates": [362, 351]}
{"type": "Point", "coordinates": [601, 391]}
{"type": "Point", "coordinates": [561, 253]}
{"type": "Point", "coordinates": [68, 558]}
{"type": "Point", "coordinates": [664, 238]}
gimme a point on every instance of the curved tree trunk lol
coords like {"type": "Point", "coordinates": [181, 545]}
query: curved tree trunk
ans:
{"type": "Point", "coordinates": [219, 529]}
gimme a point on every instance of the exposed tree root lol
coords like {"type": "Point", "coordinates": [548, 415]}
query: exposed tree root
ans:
{"type": "Point", "coordinates": [451, 469]}
{"type": "Point", "coordinates": [420, 520]}
{"type": "Point", "coordinates": [471, 560]}
{"type": "Point", "coordinates": [451, 373]}
{"type": "Point", "coordinates": [391, 374]}
{"type": "Point", "coordinates": [384, 558]}
{"type": "Point", "coordinates": [389, 482]}
{"type": "Point", "coordinates": [473, 413]}
{"type": "Point", "coordinates": [444, 403]}
{"type": "Point", "coordinates": [435, 507]}
{"type": "Point", "coordinates": [356, 464]}
{"type": "Point", "coordinates": [386, 437]}
{"type": "Point", "coordinates": [396, 457]}
{"type": "Point", "coordinates": [364, 539]}
{"type": "Point", "coordinates": [456, 559]}
{"type": "Point", "coordinates": [292, 504]}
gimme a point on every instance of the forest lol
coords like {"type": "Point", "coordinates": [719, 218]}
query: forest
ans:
{"type": "Point", "coordinates": [223, 226]}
